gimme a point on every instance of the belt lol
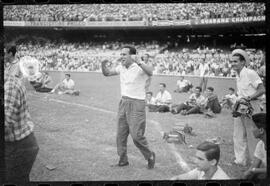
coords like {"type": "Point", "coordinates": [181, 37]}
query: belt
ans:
{"type": "Point", "coordinates": [129, 98]}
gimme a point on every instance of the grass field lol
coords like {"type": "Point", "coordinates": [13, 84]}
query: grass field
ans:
{"type": "Point", "coordinates": [76, 134]}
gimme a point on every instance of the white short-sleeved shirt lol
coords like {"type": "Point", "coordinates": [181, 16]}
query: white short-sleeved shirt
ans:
{"type": "Point", "coordinates": [152, 101]}
{"type": "Point", "coordinates": [133, 80]}
{"type": "Point", "coordinates": [260, 152]}
{"type": "Point", "coordinates": [203, 68]}
{"type": "Point", "coordinates": [247, 82]}
{"type": "Point", "coordinates": [182, 84]}
{"type": "Point", "coordinates": [68, 84]}
{"type": "Point", "coordinates": [163, 98]}
{"type": "Point", "coordinates": [196, 174]}
{"type": "Point", "coordinates": [232, 97]}
{"type": "Point", "coordinates": [199, 100]}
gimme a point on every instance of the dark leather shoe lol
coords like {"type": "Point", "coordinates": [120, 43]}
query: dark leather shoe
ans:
{"type": "Point", "coordinates": [151, 161]}
{"type": "Point", "coordinates": [121, 164]}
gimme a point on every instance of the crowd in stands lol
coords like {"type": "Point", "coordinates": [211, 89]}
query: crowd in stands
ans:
{"type": "Point", "coordinates": [131, 12]}
{"type": "Point", "coordinates": [87, 57]}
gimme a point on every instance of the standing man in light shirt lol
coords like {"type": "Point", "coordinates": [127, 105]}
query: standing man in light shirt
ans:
{"type": "Point", "coordinates": [204, 72]}
{"type": "Point", "coordinates": [134, 75]}
{"type": "Point", "coordinates": [250, 87]}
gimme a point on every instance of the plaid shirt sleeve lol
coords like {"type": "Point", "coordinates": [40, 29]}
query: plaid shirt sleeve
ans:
{"type": "Point", "coordinates": [18, 123]}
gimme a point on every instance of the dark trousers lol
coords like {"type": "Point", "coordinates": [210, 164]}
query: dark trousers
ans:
{"type": "Point", "coordinates": [43, 89]}
{"type": "Point", "coordinates": [184, 89]}
{"type": "Point", "coordinates": [19, 159]}
{"type": "Point", "coordinates": [158, 108]}
{"type": "Point", "coordinates": [214, 105]}
{"type": "Point", "coordinates": [131, 120]}
{"type": "Point", "coordinates": [203, 83]}
{"type": "Point", "coordinates": [38, 87]}
{"type": "Point", "coordinates": [190, 109]}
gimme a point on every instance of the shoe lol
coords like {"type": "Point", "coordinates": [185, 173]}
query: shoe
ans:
{"type": "Point", "coordinates": [240, 164]}
{"type": "Point", "coordinates": [183, 112]}
{"type": "Point", "coordinates": [151, 161]}
{"type": "Point", "coordinates": [174, 111]}
{"type": "Point", "coordinates": [121, 164]}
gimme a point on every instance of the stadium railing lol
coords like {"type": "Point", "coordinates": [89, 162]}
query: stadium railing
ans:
{"type": "Point", "coordinates": [146, 23]}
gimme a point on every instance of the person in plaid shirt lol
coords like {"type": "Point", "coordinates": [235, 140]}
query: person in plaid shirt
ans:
{"type": "Point", "coordinates": [21, 147]}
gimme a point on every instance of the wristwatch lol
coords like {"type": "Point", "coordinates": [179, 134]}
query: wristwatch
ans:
{"type": "Point", "coordinates": [139, 63]}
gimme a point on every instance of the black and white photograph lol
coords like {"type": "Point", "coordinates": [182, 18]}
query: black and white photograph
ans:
{"type": "Point", "coordinates": [134, 92]}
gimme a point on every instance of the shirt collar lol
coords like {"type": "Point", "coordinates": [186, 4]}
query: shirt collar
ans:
{"type": "Point", "coordinates": [131, 66]}
{"type": "Point", "coordinates": [244, 69]}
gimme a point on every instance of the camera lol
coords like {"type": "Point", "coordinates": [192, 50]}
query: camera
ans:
{"type": "Point", "coordinates": [242, 108]}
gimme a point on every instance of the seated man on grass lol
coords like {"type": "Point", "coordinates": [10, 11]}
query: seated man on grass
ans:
{"type": "Point", "coordinates": [150, 101]}
{"type": "Point", "coordinates": [206, 160]}
{"type": "Point", "coordinates": [229, 99]}
{"type": "Point", "coordinates": [37, 81]}
{"type": "Point", "coordinates": [192, 106]}
{"type": "Point", "coordinates": [211, 105]}
{"type": "Point", "coordinates": [183, 85]}
{"type": "Point", "coordinates": [163, 100]}
{"type": "Point", "coordinates": [66, 87]}
{"type": "Point", "coordinates": [46, 80]}
{"type": "Point", "coordinates": [259, 166]}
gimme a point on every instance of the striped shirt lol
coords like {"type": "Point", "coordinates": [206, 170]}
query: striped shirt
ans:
{"type": "Point", "coordinates": [13, 68]}
{"type": "Point", "coordinates": [18, 123]}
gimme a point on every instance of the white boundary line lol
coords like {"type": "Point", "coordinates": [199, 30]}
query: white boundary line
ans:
{"type": "Point", "coordinates": [157, 125]}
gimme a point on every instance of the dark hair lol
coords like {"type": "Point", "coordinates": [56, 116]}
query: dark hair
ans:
{"type": "Point", "coordinates": [132, 50]}
{"type": "Point", "coordinates": [163, 84]}
{"type": "Point", "coordinates": [67, 75]}
{"type": "Point", "coordinates": [240, 57]}
{"type": "Point", "coordinates": [211, 150]}
{"type": "Point", "coordinates": [12, 49]}
{"type": "Point", "coordinates": [147, 54]}
{"type": "Point", "coordinates": [260, 120]}
{"type": "Point", "coordinates": [211, 89]}
{"type": "Point", "coordinates": [200, 89]}
{"type": "Point", "coordinates": [232, 89]}
{"type": "Point", "coordinates": [151, 93]}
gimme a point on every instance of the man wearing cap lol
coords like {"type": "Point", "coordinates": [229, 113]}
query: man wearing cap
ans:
{"type": "Point", "coordinates": [249, 87]}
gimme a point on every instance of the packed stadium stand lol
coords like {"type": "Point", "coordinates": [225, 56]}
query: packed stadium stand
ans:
{"type": "Point", "coordinates": [130, 12]}
{"type": "Point", "coordinates": [172, 51]}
